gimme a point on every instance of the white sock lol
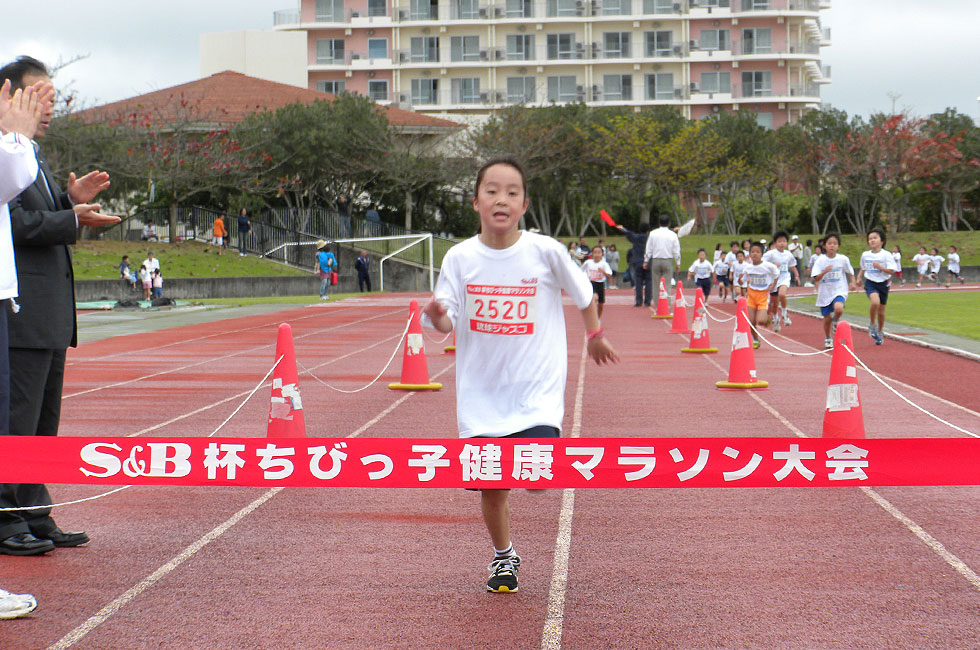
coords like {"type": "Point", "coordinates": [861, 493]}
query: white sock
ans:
{"type": "Point", "coordinates": [506, 552]}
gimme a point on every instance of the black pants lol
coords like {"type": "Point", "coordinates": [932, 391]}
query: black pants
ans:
{"type": "Point", "coordinates": [36, 379]}
{"type": "Point", "coordinates": [363, 280]}
{"type": "Point", "coordinates": [641, 284]}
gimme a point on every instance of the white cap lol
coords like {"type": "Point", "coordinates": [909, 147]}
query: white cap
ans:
{"type": "Point", "coordinates": [795, 237]}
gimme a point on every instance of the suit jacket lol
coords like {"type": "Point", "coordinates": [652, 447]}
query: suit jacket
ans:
{"type": "Point", "coordinates": [43, 225]}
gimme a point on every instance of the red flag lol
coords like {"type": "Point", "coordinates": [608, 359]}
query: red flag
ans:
{"type": "Point", "coordinates": [605, 217]}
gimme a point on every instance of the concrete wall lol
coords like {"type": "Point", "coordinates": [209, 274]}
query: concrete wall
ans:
{"type": "Point", "coordinates": [398, 277]}
{"type": "Point", "coordinates": [273, 56]}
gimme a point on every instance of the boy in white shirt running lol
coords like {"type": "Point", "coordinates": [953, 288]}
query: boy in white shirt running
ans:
{"type": "Point", "coordinates": [935, 262]}
{"type": "Point", "coordinates": [722, 268]}
{"type": "Point", "coordinates": [501, 291]}
{"type": "Point", "coordinates": [700, 270]}
{"type": "Point", "coordinates": [786, 263]}
{"type": "Point", "coordinates": [877, 267]}
{"type": "Point", "coordinates": [834, 276]}
{"type": "Point", "coordinates": [597, 270]}
{"type": "Point", "coordinates": [922, 261]}
{"type": "Point", "coordinates": [739, 287]}
{"type": "Point", "coordinates": [953, 265]}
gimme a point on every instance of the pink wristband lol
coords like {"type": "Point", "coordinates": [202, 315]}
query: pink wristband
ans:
{"type": "Point", "coordinates": [595, 335]}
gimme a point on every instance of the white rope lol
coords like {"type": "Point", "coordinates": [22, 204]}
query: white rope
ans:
{"type": "Point", "coordinates": [779, 349]}
{"type": "Point", "coordinates": [68, 503]}
{"type": "Point", "coordinates": [905, 399]}
{"type": "Point", "coordinates": [373, 381]}
{"type": "Point", "coordinates": [258, 386]}
{"type": "Point", "coordinates": [717, 320]}
{"type": "Point", "coordinates": [442, 340]}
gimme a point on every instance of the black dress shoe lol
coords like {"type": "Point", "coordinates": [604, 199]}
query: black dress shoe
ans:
{"type": "Point", "coordinates": [61, 539]}
{"type": "Point", "coordinates": [25, 544]}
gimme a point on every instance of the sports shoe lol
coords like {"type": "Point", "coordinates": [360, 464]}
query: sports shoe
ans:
{"type": "Point", "coordinates": [503, 574]}
{"type": "Point", "coordinates": [15, 605]}
{"type": "Point", "coordinates": [873, 333]}
{"type": "Point", "coordinates": [776, 326]}
{"type": "Point", "coordinates": [879, 339]}
{"type": "Point", "coordinates": [755, 345]}
{"type": "Point", "coordinates": [786, 319]}
{"type": "Point", "coordinates": [828, 343]}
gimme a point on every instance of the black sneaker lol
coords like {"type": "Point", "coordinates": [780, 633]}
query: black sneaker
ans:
{"type": "Point", "coordinates": [503, 574]}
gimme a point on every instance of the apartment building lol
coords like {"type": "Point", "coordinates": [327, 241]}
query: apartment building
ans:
{"type": "Point", "coordinates": [475, 56]}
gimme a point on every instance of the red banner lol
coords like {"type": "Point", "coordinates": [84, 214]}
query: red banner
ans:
{"type": "Point", "coordinates": [492, 463]}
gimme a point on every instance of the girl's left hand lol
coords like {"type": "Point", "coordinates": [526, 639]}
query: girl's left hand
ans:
{"type": "Point", "coordinates": [601, 351]}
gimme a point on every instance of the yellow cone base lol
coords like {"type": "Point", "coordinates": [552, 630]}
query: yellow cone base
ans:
{"type": "Point", "coordinates": [399, 386]}
{"type": "Point", "coordinates": [700, 350]}
{"type": "Point", "coordinates": [449, 348]}
{"type": "Point", "coordinates": [733, 385]}
{"type": "Point", "coordinates": [661, 317]}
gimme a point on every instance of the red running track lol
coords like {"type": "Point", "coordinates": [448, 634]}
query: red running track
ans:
{"type": "Point", "coordinates": [349, 568]}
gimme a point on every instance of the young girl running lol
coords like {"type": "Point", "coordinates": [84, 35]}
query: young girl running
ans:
{"type": "Point", "coordinates": [597, 270]}
{"type": "Point", "coordinates": [761, 278]}
{"type": "Point", "coordinates": [834, 276]}
{"type": "Point", "coordinates": [922, 260]}
{"type": "Point", "coordinates": [739, 286]}
{"type": "Point", "coordinates": [935, 262]}
{"type": "Point", "coordinates": [897, 256]}
{"type": "Point", "coordinates": [722, 268]}
{"type": "Point", "coordinates": [700, 270]}
{"type": "Point", "coordinates": [501, 291]}
{"type": "Point", "coordinates": [877, 267]}
{"type": "Point", "coordinates": [953, 265]}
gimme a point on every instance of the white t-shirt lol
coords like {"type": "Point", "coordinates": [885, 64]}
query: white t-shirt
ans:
{"type": "Point", "coordinates": [701, 270]}
{"type": "Point", "coordinates": [18, 169]}
{"type": "Point", "coordinates": [796, 249]}
{"type": "Point", "coordinates": [835, 282]}
{"type": "Point", "coordinates": [782, 261]}
{"type": "Point", "coordinates": [737, 269]}
{"type": "Point", "coordinates": [511, 351]}
{"type": "Point", "coordinates": [953, 262]}
{"type": "Point", "coordinates": [898, 261]}
{"type": "Point", "coordinates": [721, 267]}
{"type": "Point", "coordinates": [922, 262]}
{"type": "Point", "coordinates": [730, 258]}
{"type": "Point", "coordinates": [151, 265]}
{"type": "Point", "coordinates": [760, 276]}
{"type": "Point", "coordinates": [935, 261]}
{"type": "Point", "coordinates": [717, 256]}
{"type": "Point", "coordinates": [884, 258]}
{"type": "Point", "coordinates": [596, 272]}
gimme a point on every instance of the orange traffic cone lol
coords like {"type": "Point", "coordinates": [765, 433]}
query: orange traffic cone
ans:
{"type": "Point", "coordinates": [286, 409]}
{"type": "Point", "coordinates": [663, 302]}
{"type": "Point", "coordinates": [842, 416]}
{"type": "Point", "coordinates": [451, 349]}
{"type": "Point", "coordinates": [415, 371]}
{"type": "Point", "coordinates": [679, 324]}
{"type": "Point", "coordinates": [699, 327]}
{"type": "Point", "coordinates": [741, 368]}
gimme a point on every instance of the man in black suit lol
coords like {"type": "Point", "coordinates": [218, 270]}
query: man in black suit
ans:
{"type": "Point", "coordinates": [44, 222]}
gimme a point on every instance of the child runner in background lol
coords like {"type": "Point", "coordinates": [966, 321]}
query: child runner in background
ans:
{"type": "Point", "coordinates": [761, 278]}
{"type": "Point", "coordinates": [722, 269]}
{"type": "Point", "coordinates": [922, 260]}
{"type": "Point", "coordinates": [739, 286]}
{"type": "Point", "coordinates": [730, 255]}
{"type": "Point", "coordinates": [612, 259]}
{"type": "Point", "coordinates": [834, 276]}
{"type": "Point", "coordinates": [501, 291]}
{"type": "Point", "coordinates": [597, 270]}
{"type": "Point", "coordinates": [817, 252]}
{"type": "Point", "coordinates": [701, 269]}
{"type": "Point", "coordinates": [718, 253]}
{"type": "Point", "coordinates": [147, 281]}
{"type": "Point", "coordinates": [786, 263]}
{"type": "Point", "coordinates": [935, 262]}
{"type": "Point", "coordinates": [953, 265]}
{"type": "Point", "coordinates": [877, 267]}
{"type": "Point", "coordinates": [157, 284]}
{"type": "Point", "coordinates": [747, 248]}
{"type": "Point", "coordinates": [897, 256]}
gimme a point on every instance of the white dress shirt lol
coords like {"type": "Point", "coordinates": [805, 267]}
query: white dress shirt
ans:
{"type": "Point", "coordinates": [663, 243]}
{"type": "Point", "coordinates": [18, 169]}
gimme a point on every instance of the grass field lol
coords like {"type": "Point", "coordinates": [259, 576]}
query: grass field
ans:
{"type": "Point", "coordinates": [953, 312]}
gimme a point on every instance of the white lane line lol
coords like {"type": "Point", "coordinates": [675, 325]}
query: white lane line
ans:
{"type": "Point", "coordinates": [109, 610]}
{"type": "Point", "coordinates": [555, 617]}
{"type": "Point", "coordinates": [112, 608]}
{"type": "Point", "coordinates": [935, 545]}
{"type": "Point", "coordinates": [212, 359]}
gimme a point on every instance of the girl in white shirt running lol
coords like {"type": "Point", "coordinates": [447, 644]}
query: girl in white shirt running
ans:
{"type": "Point", "coordinates": [953, 265]}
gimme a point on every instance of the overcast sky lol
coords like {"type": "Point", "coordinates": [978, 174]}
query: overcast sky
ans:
{"type": "Point", "coordinates": [925, 51]}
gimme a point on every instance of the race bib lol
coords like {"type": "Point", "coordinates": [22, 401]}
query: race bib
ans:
{"type": "Point", "coordinates": [596, 275]}
{"type": "Point", "coordinates": [508, 311]}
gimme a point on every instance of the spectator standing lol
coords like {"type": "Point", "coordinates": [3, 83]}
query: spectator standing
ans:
{"type": "Point", "coordinates": [343, 212]}
{"type": "Point", "coordinates": [244, 225]}
{"type": "Point", "coordinates": [151, 263]}
{"type": "Point", "coordinates": [807, 254]}
{"type": "Point", "coordinates": [662, 254]}
{"type": "Point", "coordinates": [796, 248]}
{"type": "Point", "coordinates": [575, 253]}
{"type": "Point", "coordinates": [157, 284]}
{"type": "Point", "coordinates": [44, 222]}
{"type": "Point", "coordinates": [146, 281]}
{"type": "Point", "coordinates": [638, 270]}
{"type": "Point", "coordinates": [612, 259]}
{"type": "Point", "coordinates": [363, 265]}
{"type": "Point", "coordinates": [325, 265]}
{"type": "Point", "coordinates": [220, 232]}
{"type": "Point", "coordinates": [373, 219]}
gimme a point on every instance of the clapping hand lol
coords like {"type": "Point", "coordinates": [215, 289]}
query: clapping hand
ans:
{"type": "Point", "coordinates": [20, 113]}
